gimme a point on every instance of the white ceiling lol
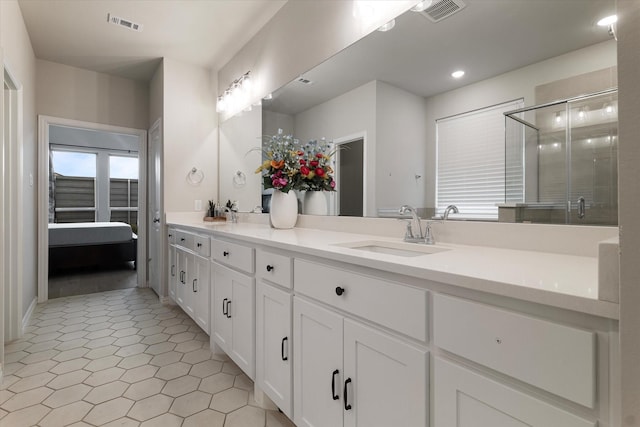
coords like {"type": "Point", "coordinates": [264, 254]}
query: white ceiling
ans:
{"type": "Point", "coordinates": [201, 32]}
{"type": "Point", "coordinates": [487, 38]}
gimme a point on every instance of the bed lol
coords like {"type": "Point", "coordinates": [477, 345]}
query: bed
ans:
{"type": "Point", "coordinates": [91, 244]}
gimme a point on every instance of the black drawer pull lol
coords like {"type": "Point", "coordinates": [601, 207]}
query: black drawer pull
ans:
{"type": "Point", "coordinates": [225, 253]}
{"type": "Point", "coordinates": [199, 245]}
{"type": "Point", "coordinates": [193, 285]}
{"type": "Point", "coordinates": [339, 290]}
{"type": "Point", "coordinates": [270, 268]}
{"type": "Point", "coordinates": [224, 306]}
{"type": "Point", "coordinates": [182, 239]}
{"type": "Point", "coordinates": [228, 313]}
{"type": "Point", "coordinates": [347, 406]}
{"type": "Point", "coordinates": [173, 271]}
{"type": "Point", "coordinates": [285, 358]}
{"type": "Point", "coordinates": [333, 385]}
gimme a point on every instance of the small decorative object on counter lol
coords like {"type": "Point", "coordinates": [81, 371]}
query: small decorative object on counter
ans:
{"type": "Point", "coordinates": [284, 209]}
{"type": "Point", "coordinates": [215, 213]}
{"type": "Point", "coordinates": [315, 168]}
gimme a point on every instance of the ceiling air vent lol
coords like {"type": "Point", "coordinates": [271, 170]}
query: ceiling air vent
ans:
{"type": "Point", "coordinates": [443, 9]}
{"type": "Point", "coordinates": [305, 81]}
{"type": "Point", "coordinates": [123, 22]}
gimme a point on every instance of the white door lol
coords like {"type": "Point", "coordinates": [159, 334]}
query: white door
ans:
{"type": "Point", "coordinates": [242, 311]}
{"type": "Point", "coordinates": [273, 345]}
{"type": "Point", "coordinates": [172, 272]}
{"type": "Point", "coordinates": [155, 208]}
{"type": "Point", "coordinates": [318, 377]}
{"type": "Point", "coordinates": [189, 285]}
{"type": "Point", "coordinates": [200, 288]}
{"type": "Point", "coordinates": [465, 398]}
{"type": "Point", "coordinates": [220, 321]}
{"type": "Point", "coordinates": [386, 380]}
{"type": "Point", "coordinates": [181, 262]}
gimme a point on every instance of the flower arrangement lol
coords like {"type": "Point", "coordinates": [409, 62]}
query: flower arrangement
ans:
{"type": "Point", "coordinates": [315, 166]}
{"type": "Point", "coordinates": [290, 165]}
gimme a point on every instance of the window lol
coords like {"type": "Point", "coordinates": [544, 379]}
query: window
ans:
{"type": "Point", "coordinates": [123, 189]}
{"type": "Point", "coordinates": [471, 161]}
{"type": "Point", "coordinates": [74, 186]}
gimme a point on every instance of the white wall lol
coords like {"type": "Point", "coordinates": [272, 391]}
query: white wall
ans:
{"type": "Point", "coordinates": [190, 135]}
{"type": "Point", "coordinates": [19, 57]}
{"type": "Point", "coordinates": [74, 93]}
{"type": "Point", "coordinates": [272, 121]}
{"type": "Point", "coordinates": [239, 138]}
{"type": "Point", "coordinates": [300, 36]}
{"type": "Point", "coordinates": [401, 140]}
{"type": "Point", "coordinates": [629, 206]}
{"type": "Point", "coordinates": [513, 85]}
{"type": "Point", "coordinates": [156, 95]}
{"type": "Point", "coordinates": [352, 113]}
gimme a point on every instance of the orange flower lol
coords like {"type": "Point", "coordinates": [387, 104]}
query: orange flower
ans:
{"type": "Point", "coordinates": [277, 164]}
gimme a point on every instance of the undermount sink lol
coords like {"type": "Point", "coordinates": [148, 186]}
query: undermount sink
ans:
{"type": "Point", "coordinates": [393, 248]}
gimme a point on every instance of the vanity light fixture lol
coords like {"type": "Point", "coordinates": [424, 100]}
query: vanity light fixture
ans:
{"type": "Point", "coordinates": [422, 6]}
{"type": "Point", "coordinates": [268, 97]}
{"type": "Point", "coordinates": [388, 26]}
{"type": "Point", "coordinates": [236, 94]}
{"type": "Point", "coordinates": [457, 74]}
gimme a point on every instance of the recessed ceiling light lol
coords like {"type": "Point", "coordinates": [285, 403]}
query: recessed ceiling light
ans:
{"type": "Point", "coordinates": [422, 6]}
{"type": "Point", "coordinates": [388, 26]}
{"type": "Point", "coordinates": [605, 22]}
{"type": "Point", "coordinates": [457, 74]}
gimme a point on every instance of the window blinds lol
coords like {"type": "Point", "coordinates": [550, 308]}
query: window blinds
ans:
{"type": "Point", "coordinates": [471, 161]}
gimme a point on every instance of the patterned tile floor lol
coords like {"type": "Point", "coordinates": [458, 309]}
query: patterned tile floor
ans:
{"type": "Point", "coordinates": [120, 358]}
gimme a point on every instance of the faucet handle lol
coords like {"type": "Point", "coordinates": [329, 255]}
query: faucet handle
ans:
{"type": "Point", "coordinates": [408, 234]}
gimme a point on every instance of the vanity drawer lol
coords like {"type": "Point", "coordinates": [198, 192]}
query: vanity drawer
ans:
{"type": "Point", "coordinates": [390, 304]}
{"type": "Point", "coordinates": [557, 358]}
{"type": "Point", "coordinates": [202, 245]}
{"type": "Point", "coordinates": [274, 268]}
{"type": "Point", "coordinates": [185, 239]}
{"type": "Point", "coordinates": [233, 254]}
{"type": "Point", "coordinates": [171, 236]}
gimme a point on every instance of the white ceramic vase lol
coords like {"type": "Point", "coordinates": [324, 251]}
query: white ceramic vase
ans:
{"type": "Point", "coordinates": [315, 203]}
{"type": "Point", "coordinates": [284, 209]}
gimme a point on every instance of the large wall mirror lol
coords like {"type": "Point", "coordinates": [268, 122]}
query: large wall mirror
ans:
{"type": "Point", "coordinates": [391, 99]}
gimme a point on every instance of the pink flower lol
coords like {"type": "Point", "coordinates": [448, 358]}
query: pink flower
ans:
{"type": "Point", "coordinates": [333, 184]}
{"type": "Point", "coordinates": [278, 181]}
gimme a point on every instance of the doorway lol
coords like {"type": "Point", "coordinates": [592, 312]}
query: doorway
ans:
{"type": "Point", "coordinates": [111, 193]}
{"type": "Point", "coordinates": [350, 177]}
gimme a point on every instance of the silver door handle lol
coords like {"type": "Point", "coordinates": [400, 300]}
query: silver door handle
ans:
{"type": "Point", "coordinates": [581, 207]}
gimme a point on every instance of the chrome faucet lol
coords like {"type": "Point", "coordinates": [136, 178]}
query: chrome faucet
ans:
{"type": "Point", "coordinates": [410, 236]}
{"type": "Point", "coordinates": [450, 208]}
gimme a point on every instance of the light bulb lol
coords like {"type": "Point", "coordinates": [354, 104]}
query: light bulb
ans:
{"type": "Point", "coordinates": [422, 6]}
{"type": "Point", "coordinates": [457, 74]}
{"type": "Point", "coordinates": [609, 20]}
{"type": "Point", "coordinates": [388, 26]}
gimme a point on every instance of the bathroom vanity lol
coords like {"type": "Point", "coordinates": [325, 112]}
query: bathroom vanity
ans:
{"type": "Point", "coordinates": [358, 330]}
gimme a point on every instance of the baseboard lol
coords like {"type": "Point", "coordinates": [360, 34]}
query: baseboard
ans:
{"type": "Point", "coordinates": [27, 316]}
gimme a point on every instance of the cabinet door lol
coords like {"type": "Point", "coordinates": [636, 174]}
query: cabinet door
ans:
{"type": "Point", "coordinates": [173, 272]}
{"type": "Point", "coordinates": [181, 262]}
{"type": "Point", "coordinates": [273, 345]}
{"type": "Point", "coordinates": [242, 313]}
{"type": "Point", "coordinates": [317, 351]}
{"type": "Point", "coordinates": [464, 398]}
{"type": "Point", "coordinates": [188, 296]}
{"type": "Point", "coordinates": [200, 288]}
{"type": "Point", "coordinates": [220, 322]}
{"type": "Point", "coordinates": [386, 380]}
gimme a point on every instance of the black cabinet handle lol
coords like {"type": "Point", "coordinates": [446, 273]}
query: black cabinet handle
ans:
{"type": "Point", "coordinates": [270, 268]}
{"type": "Point", "coordinates": [170, 235]}
{"type": "Point", "coordinates": [339, 290]}
{"type": "Point", "coordinates": [199, 245]}
{"type": "Point", "coordinates": [173, 271]}
{"type": "Point", "coordinates": [285, 358]}
{"type": "Point", "coordinates": [193, 285]}
{"type": "Point", "coordinates": [333, 385]}
{"type": "Point", "coordinates": [224, 306]}
{"type": "Point", "coordinates": [228, 314]}
{"type": "Point", "coordinates": [347, 406]}
{"type": "Point", "coordinates": [182, 239]}
{"type": "Point", "coordinates": [225, 253]}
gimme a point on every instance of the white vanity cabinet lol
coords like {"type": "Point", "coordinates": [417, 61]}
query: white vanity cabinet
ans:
{"type": "Point", "coordinates": [191, 278]}
{"type": "Point", "coordinates": [348, 373]}
{"type": "Point", "coordinates": [233, 302]}
{"type": "Point", "coordinates": [274, 349]}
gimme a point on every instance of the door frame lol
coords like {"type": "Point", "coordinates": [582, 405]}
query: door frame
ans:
{"type": "Point", "coordinates": [43, 195]}
{"type": "Point", "coordinates": [334, 200]}
{"type": "Point", "coordinates": [163, 288]}
{"type": "Point", "coordinates": [12, 200]}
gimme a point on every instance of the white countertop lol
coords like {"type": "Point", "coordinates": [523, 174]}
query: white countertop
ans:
{"type": "Point", "coordinates": [565, 281]}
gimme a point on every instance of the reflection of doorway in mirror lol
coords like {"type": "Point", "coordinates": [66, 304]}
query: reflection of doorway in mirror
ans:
{"type": "Point", "coordinates": [348, 200]}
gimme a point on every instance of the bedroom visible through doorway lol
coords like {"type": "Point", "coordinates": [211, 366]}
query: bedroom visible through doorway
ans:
{"type": "Point", "coordinates": [93, 209]}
